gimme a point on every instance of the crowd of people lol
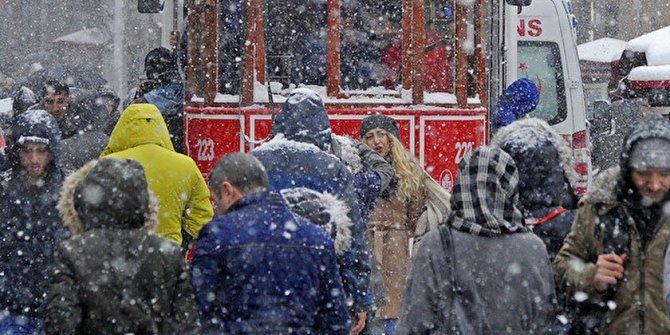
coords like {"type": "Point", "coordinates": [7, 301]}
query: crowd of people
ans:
{"type": "Point", "coordinates": [109, 229]}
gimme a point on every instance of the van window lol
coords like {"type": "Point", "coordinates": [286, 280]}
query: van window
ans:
{"type": "Point", "coordinates": [541, 62]}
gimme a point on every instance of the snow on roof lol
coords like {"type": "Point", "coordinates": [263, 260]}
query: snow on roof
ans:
{"type": "Point", "coordinates": [357, 97]}
{"type": "Point", "coordinates": [604, 50]}
{"type": "Point", "coordinates": [650, 73]}
{"type": "Point", "coordinates": [85, 36]}
{"type": "Point", "coordinates": [654, 45]}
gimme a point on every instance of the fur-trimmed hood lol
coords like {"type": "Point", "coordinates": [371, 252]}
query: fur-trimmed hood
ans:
{"type": "Point", "coordinates": [604, 189]}
{"type": "Point", "coordinates": [545, 164]}
{"type": "Point", "coordinates": [323, 210]}
{"type": "Point", "coordinates": [69, 210]}
{"type": "Point", "coordinates": [564, 150]}
{"type": "Point", "coordinates": [345, 148]}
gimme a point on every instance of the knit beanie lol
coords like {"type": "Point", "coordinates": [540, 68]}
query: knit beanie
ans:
{"type": "Point", "coordinates": [650, 153]}
{"type": "Point", "coordinates": [379, 121]}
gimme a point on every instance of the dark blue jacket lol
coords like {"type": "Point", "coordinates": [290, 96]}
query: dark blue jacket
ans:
{"type": "Point", "coordinates": [31, 225]}
{"type": "Point", "coordinates": [296, 157]}
{"type": "Point", "coordinates": [259, 269]}
{"type": "Point", "coordinates": [169, 98]}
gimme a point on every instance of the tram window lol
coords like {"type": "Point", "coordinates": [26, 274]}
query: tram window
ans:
{"type": "Point", "coordinates": [370, 44]}
{"type": "Point", "coordinates": [470, 50]}
{"type": "Point", "coordinates": [439, 60]}
{"type": "Point", "coordinates": [541, 62]}
{"type": "Point", "coordinates": [296, 42]}
{"type": "Point", "coordinates": [231, 45]}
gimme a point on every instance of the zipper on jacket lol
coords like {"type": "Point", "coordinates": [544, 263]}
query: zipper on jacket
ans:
{"type": "Point", "coordinates": [642, 257]}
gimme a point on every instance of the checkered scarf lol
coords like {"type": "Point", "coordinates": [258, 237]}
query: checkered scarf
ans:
{"type": "Point", "coordinates": [485, 199]}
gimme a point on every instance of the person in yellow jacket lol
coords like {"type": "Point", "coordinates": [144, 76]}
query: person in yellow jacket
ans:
{"type": "Point", "coordinates": [183, 196]}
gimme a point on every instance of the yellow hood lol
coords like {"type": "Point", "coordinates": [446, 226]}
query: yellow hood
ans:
{"type": "Point", "coordinates": [139, 124]}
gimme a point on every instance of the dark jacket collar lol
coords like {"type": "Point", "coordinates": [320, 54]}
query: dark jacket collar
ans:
{"type": "Point", "coordinates": [265, 198]}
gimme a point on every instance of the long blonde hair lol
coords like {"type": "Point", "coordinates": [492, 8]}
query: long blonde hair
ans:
{"type": "Point", "coordinates": [407, 168]}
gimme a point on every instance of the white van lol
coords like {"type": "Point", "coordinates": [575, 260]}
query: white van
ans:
{"type": "Point", "coordinates": [546, 52]}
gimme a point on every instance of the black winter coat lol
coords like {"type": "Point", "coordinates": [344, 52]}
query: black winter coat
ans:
{"type": "Point", "coordinates": [30, 233]}
{"type": "Point", "coordinates": [115, 276]}
{"type": "Point", "coordinates": [554, 230]}
{"type": "Point", "coordinates": [31, 226]}
{"type": "Point", "coordinates": [143, 288]}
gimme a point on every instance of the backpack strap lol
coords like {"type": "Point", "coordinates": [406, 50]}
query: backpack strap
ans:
{"type": "Point", "coordinates": [546, 218]}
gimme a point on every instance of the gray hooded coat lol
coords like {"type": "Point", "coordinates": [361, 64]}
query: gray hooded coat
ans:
{"type": "Point", "coordinates": [482, 272]}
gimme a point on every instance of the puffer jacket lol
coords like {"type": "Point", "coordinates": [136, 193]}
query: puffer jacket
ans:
{"type": "Point", "coordinates": [31, 226]}
{"type": "Point", "coordinates": [183, 196]}
{"type": "Point", "coordinates": [297, 157]}
{"type": "Point", "coordinates": [260, 269]}
{"type": "Point", "coordinates": [115, 276]}
{"type": "Point", "coordinates": [607, 222]}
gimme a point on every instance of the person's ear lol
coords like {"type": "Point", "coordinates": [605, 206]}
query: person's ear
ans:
{"type": "Point", "coordinates": [227, 189]}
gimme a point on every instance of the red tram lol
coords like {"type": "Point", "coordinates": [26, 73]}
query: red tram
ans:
{"type": "Point", "coordinates": [433, 65]}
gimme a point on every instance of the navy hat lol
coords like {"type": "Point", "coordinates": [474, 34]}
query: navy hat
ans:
{"type": "Point", "coordinates": [379, 121]}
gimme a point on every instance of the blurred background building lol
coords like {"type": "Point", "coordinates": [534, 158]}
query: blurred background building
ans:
{"type": "Point", "coordinates": [619, 19]}
{"type": "Point", "coordinates": [106, 37]}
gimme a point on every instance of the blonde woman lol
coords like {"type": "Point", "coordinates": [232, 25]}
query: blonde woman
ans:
{"type": "Point", "coordinates": [393, 220]}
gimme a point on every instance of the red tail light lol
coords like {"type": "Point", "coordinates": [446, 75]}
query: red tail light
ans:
{"type": "Point", "coordinates": [579, 140]}
{"type": "Point", "coordinates": [580, 148]}
{"type": "Point", "coordinates": [2, 142]}
{"type": "Point", "coordinates": [582, 168]}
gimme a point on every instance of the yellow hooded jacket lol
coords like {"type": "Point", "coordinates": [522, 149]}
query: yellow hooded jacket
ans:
{"type": "Point", "coordinates": [183, 196]}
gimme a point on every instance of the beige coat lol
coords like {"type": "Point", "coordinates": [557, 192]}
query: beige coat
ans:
{"type": "Point", "coordinates": [391, 226]}
{"type": "Point", "coordinates": [640, 292]}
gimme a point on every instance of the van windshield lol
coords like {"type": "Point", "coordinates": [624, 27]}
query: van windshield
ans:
{"type": "Point", "coordinates": [541, 63]}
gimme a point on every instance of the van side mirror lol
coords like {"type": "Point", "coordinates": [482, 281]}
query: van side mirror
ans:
{"type": "Point", "coordinates": [519, 4]}
{"type": "Point", "coordinates": [150, 6]}
{"type": "Point", "coordinates": [522, 3]}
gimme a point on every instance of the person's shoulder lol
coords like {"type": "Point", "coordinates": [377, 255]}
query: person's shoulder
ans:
{"type": "Point", "coordinates": [160, 244]}
{"type": "Point", "coordinates": [603, 189]}
{"type": "Point", "coordinates": [169, 158]}
{"type": "Point", "coordinates": [186, 161]}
